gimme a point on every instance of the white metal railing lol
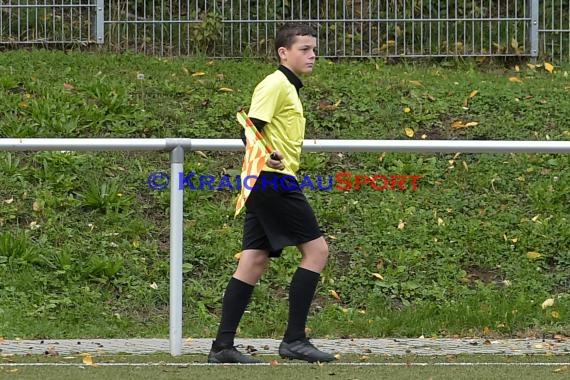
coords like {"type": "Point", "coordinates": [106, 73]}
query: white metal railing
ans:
{"type": "Point", "coordinates": [177, 147]}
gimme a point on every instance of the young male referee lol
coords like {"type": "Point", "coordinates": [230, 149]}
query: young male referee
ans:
{"type": "Point", "coordinates": [277, 217]}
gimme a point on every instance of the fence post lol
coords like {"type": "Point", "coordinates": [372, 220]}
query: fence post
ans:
{"type": "Point", "coordinates": [533, 30]}
{"type": "Point", "coordinates": [176, 249]}
{"type": "Point", "coordinates": [99, 24]}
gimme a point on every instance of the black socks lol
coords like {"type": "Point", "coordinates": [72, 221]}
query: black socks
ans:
{"type": "Point", "coordinates": [236, 299]}
{"type": "Point", "coordinates": [301, 293]}
{"type": "Point", "coordinates": [238, 294]}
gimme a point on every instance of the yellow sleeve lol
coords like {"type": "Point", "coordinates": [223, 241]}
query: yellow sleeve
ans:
{"type": "Point", "coordinates": [265, 100]}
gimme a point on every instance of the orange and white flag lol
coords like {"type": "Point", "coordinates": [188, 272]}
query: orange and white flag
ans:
{"type": "Point", "coordinates": [256, 152]}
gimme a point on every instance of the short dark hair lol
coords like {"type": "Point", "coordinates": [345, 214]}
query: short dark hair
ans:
{"type": "Point", "coordinates": [287, 33]}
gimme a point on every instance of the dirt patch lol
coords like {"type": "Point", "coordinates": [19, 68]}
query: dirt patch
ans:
{"type": "Point", "coordinates": [486, 275]}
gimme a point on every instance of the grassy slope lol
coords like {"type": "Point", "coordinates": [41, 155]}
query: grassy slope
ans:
{"type": "Point", "coordinates": [84, 241]}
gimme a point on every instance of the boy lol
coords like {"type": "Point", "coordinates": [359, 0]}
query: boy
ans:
{"type": "Point", "coordinates": [277, 217]}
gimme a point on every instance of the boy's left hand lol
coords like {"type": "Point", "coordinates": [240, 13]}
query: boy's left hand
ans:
{"type": "Point", "coordinates": [275, 162]}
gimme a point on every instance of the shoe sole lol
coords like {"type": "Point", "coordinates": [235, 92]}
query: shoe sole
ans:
{"type": "Point", "coordinates": [216, 361]}
{"type": "Point", "coordinates": [295, 357]}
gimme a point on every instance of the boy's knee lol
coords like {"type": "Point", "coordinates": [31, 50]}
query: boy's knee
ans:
{"type": "Point", "coordinates": [324, 248]}
{"type": "Point", "coordinates": [253, 260]}
{"type": "Point", "coordinates": [324, 252]}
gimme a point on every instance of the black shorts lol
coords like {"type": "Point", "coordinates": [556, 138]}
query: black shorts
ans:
{"type": "Point", "coordinates": [278, 216]}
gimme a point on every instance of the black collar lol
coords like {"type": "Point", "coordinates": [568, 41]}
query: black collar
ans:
{"type": "Point", "coordinates": [295, 81]}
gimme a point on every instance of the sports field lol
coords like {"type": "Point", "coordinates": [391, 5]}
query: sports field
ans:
{"type": "Point", "coordinates": [348, 367]}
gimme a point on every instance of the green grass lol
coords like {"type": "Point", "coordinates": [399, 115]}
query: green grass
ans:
{"type": "Point", "coordinates": [351, 367]}
{"type": "Point", "coordinates": [84, 241]}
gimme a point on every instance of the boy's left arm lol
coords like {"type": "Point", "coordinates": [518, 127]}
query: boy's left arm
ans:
{"type": "Point", "coordinates": [259, 124]}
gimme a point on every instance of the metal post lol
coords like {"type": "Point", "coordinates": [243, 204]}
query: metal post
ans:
{"type": "Point", "coordinates": [100, 22]}
{"type": "Point", "coordinates": [176, 249]}
{"type": "Point", "coordinates": [533, 31]}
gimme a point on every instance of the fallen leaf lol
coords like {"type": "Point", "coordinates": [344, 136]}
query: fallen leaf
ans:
{"type": "Point", "coordinates": [23, 104]}
{"type": "Point", "coordinates": [409, 132]}
{"type": "Point", "coordinates": [531, 66]}
{"type": "Point", "coordinates": [186, 71]}
{"type": "Point", "coordinates": [457, 124]}
{"type": "Point", "coordinates": [471, 124]}
{"type": "Point", "coordinates": [515, 80]}
{"type": "Point", "coordinates": [226, 89]}
{"type": "Point", "coordinates": [555, 314]}
{"type": "Point", "coordinates": [326, 106]}
{"type": "Point", "coordinates": [465, 166]}
{"type": "Point", "coordinates": [535, 218]}
{"type": "Point", "coordinates": [547, 303]}
{"type": "Point", "coordinates": [274, 362]}
{"type": "Point", "coordinates": [12, 370]}
{"type": "Point", "coordinates": [380, 265]}
{"type": "Point", "coordinates": [334, 294]}
{"type": "Point", "coordinates": [201, 154]}
{"type": "Point", "coordinates": [250, 349]}
{"type": "Point", "coordinates": [548, 67]}
{"type": "Point", "coordinates": [401, 225]}
{"type": "Point", "coordinates": [68, 86]}
{"type": "Point", "coordinates": [154, 286]}
{"type": "Point", "coordinates": [517, 68]}
{"type": "Point", "coordinates": [237, 255]}
{"type": "Point", "coordinates": [378, 276]}
{"type": "Point", "coordinates": [87, 359]}
{"type": "Point", "coordinates": [416, 83]}
{"type": "Point", "coordinates": [198, 74]}
{"type": "Point", "coordinates": [36, 206]}
{"type": "Point", "coordinates": [533, 255]}
{"type": "Point", "coordinates": [407, 110]}
{"type": "Point", "coordinates": [561, 369]}
{"type": "Point", "coordinates": [8, 201]}
{"type": "Point", "coordinates": [440, 221]}
{"type": "Point", "coordinates": [514, 43]}
{"type": "Point", "coordinates": [468, 97]}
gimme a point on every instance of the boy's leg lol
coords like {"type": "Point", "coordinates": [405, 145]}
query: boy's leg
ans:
{"type": "Point", "coordinates": [252, 265]}
{"type": "Point", "coordinates": [301, 292]}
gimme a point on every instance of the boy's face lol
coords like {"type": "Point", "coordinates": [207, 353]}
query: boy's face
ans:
{"type": "Point", "coordinates": [300, 58]}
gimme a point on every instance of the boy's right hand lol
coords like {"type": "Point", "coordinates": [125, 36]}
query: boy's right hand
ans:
{"type": "Point", "coordinates": [275, 162]}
